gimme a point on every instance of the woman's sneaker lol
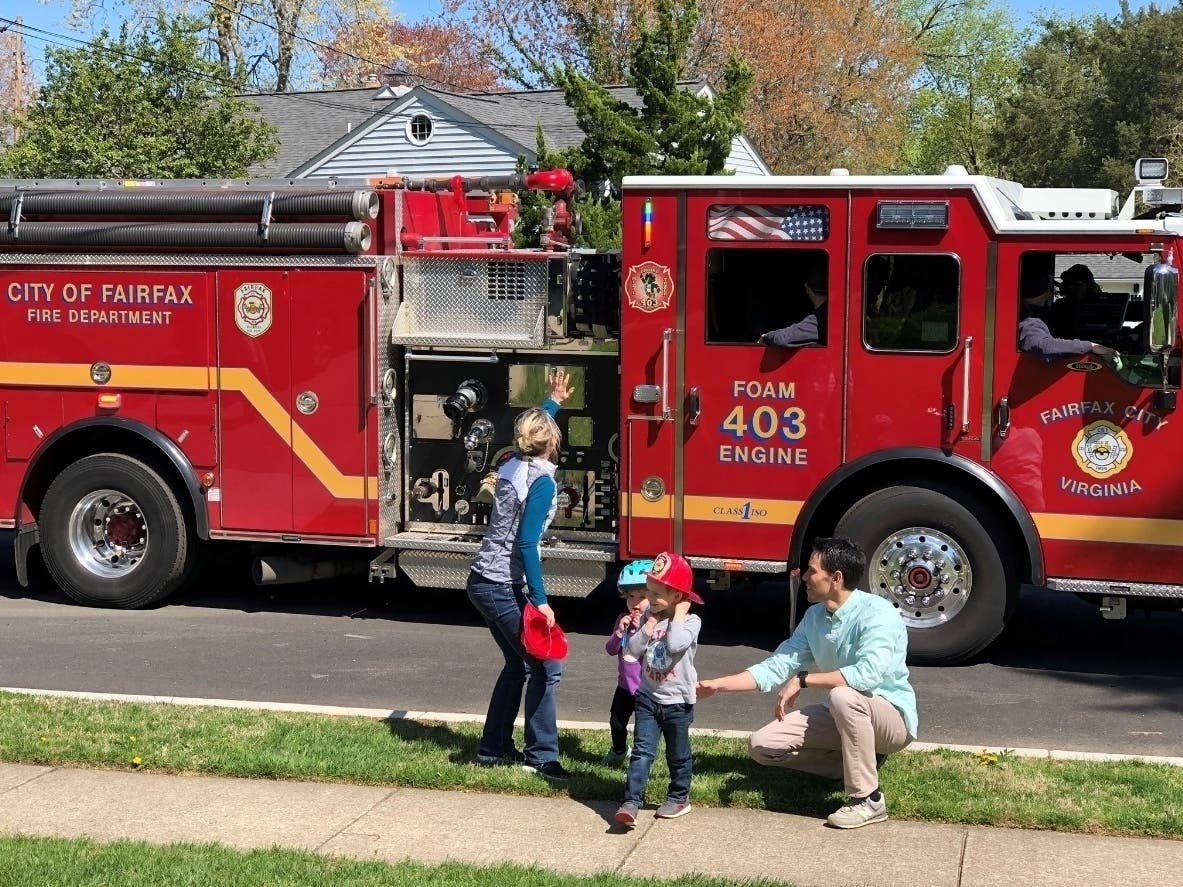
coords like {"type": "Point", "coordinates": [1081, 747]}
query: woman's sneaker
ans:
{"type": "Point", "coordinates": [551, 771]}
{"type": "Point", "coordinates": [510, 759]}
{"type": "Point", "coordinates": [627, 814]}
{"type": "Point", "coordinates": [616, 758]}
{"type": "Point", "coordinates": [673, 809]}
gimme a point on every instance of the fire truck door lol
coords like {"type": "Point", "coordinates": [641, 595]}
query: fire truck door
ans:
{"type": "Point", "coordinates": [1084, 441]}
{"type": "Point", "coordinates": [760, 423]}
{"type": "Point", "coordinates": [916, 341]}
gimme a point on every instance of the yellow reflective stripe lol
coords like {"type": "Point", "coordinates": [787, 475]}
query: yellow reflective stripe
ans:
{"type": "Point", "coordinates": [1093, 528]}
{"type": "Point", "coordinates": [749, 511]}
{"type": "Point", "coordinates": [243, 381]}
{"type": "Point", "coordinates": [716, 508]}
{"type": "Point", "coordinates": [639, 506]}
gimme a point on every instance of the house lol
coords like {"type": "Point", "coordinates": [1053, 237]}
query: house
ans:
{"type": "Point", "coordinates": [423, 131]}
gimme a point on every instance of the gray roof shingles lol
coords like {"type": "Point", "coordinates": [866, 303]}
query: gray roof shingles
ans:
{"type": "Point", "coordinates": [309, 123]}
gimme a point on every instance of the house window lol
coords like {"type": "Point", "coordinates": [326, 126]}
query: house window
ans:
{"type": "Point", "coordinates": [419, 129]}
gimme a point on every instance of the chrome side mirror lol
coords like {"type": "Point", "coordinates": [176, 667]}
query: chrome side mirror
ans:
{"type": "Point", "coordinates": [1161, 294]}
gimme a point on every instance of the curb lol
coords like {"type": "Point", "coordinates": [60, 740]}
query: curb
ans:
{"type": "Point", "coordinates": [461, 718]}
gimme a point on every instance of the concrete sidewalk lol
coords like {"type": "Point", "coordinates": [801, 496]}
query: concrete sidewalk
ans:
{"type": "Point", "coordinates": [561, 834]}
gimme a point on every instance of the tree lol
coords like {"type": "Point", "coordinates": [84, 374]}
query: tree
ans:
{"type": "Point", "coordinates": [138, 107]}
{"type": "Point", "coordinates": [16, 79]}
{"type": "Point", "coordinates": [1096, 93]}
{"type": "Point", "coordinates": [827, 75]}
{"type": "Point", "coordinates": [675, 131]}
{"type": "Point", "coordinates": [524, 41]}
{"type": "Point", "coordinates": [448, 56]}
{"type": "Point", "coordinates": [970, 66]}
{"type": "Point", "coordinates": [265, 44]}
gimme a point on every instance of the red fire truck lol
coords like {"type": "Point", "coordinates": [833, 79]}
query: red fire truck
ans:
{"type": "Point", "coordinates": [337, 365]}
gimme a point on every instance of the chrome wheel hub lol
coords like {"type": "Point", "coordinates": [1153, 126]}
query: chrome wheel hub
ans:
{"type": "Point", "coordinates": [108, 534]}
{"type": "Point", "coordinates": [924, 572]}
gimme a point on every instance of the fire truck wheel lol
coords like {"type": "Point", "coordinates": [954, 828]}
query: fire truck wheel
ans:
{"type": "Point", "coordinates": [113, 533]}
{"type": "Point", "coordinates": [942, 563]}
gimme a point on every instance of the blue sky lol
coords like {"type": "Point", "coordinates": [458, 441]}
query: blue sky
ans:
{"type": "Point", "coordinates": [50, 16]}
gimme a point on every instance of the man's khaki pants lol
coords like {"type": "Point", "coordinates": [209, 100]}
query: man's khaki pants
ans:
{"type": "Point", "coordinates": [839, 742]}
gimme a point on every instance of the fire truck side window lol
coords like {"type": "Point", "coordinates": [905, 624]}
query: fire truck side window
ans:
{"type": "Point", "coordinates": [911, 302]}
{"type": "Point", "coordinates": [751, 290]}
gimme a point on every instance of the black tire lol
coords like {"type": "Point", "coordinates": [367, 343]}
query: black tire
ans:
{"type": "Point", "coordinates": [113, 533]}
{"type": "Point", "coordinates": [958, 557]}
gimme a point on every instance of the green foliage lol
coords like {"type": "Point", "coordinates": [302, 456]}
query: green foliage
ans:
{"type": "Point", "coordinates": [1095, 95]}
{"type": "Point", "coordinates": [675, 132]}
{"type": "Point", "coordinates": [142, 106]}
{"type": "Point", "coordinates": [970, 66]}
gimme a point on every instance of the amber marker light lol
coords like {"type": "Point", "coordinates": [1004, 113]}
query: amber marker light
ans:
{"type": "Point", "coordinates": [110, 401]}
{"type": "Point", "coordinates": [207, 479]}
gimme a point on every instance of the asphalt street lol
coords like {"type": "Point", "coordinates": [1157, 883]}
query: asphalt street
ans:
{"type": "Point", "coordinates": [1060, 677]}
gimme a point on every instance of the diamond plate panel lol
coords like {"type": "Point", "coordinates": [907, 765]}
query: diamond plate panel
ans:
{"type": "Point", "coordinates": [449, 569]}
{"type": "Point", "coordinates": [454, 301]}
{"type": "Point", "coordinates": [1129, 589]}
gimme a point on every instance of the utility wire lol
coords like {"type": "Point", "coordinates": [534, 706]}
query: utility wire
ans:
{"type": "Point", "coordinates": [54, 38]}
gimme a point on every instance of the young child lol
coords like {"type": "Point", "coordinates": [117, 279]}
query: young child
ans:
{"type": "Point", "coordinates": [632, 588]}
{"type": "Point", "coordinates": [666, 645]}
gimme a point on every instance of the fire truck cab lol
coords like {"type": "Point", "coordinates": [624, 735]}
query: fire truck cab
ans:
{"type": "Point", "coordinates": [337, 365]}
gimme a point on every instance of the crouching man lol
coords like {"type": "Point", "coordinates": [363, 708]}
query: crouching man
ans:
{"type": "Point", "coordinates": [852, 645]}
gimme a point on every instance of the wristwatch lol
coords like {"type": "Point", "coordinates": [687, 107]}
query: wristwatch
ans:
{"type": "Point", "coordinates": [801, 676]}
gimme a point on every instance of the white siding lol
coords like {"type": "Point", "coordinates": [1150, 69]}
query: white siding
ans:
{"type": "Point", "coordinates": [455, 148]}
{"type": "Point", "coordinates": [742, 159]}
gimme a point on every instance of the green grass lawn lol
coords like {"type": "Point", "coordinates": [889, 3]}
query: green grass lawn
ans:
{"type": "Point", "coordinates": [1130, 798]}
{"type": "Point", "coordinates": [55, 862]}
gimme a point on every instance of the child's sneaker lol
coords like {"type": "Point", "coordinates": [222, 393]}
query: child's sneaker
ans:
{"type": "Point", "coordinates": [673, 809]}
{"type": "Point", "coordinates": [627, 814]}
{"type": "Point", "coordinates": [616, 758]}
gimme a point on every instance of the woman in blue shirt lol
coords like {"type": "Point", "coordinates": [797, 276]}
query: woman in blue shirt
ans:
{"type": "Point", "coordinates": [506, 571]}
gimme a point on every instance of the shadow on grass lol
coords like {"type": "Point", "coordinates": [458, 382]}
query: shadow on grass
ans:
{"type": "Point", "coordinates": [723, 780]}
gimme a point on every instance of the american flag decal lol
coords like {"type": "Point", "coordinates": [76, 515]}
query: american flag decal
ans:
{"type": "Point", "coordinates": [751, 221]}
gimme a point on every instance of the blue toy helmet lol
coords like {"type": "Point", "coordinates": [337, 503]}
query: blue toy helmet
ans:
{"type": "Point", "coordinates": [633, 575]}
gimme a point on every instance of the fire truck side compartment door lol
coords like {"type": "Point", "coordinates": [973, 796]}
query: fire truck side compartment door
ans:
{"type": "Point", "coordinates": [330, 408]}
{"type": "Point", "coordinates": [255, 399]}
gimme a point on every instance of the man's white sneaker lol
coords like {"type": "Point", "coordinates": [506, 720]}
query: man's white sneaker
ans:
{"type": "Point", "coordinates": [855, 814]}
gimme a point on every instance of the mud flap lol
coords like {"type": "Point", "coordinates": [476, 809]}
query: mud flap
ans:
{"type": "Point", "coordinates": [26, 537]}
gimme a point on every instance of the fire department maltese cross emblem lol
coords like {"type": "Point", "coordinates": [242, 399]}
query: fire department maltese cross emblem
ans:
{"type": "Point", "coordinates": [1102, 449]}
{"type": "Point", "coordinates": [252, 309]}
{"type": "Point", "coordinates": [649, 286]}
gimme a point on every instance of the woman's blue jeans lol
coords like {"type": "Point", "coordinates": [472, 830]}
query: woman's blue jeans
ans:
{"type": "Point", "coordinates": [653, 721]}
{"type": "Point", "coordinates": [501, 607]}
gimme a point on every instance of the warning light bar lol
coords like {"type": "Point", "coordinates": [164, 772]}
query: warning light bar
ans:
{"type": "Point", "coordinates": [911, 214]}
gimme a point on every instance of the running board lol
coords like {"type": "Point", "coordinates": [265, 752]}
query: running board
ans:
{"type": "Point", "coordinates": [1115, 589]}
{"type": "Point", "coordinates": [433, 560]}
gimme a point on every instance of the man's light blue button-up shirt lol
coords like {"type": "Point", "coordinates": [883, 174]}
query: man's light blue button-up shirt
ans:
{"type": "Point", "coordinates": [865, 639]}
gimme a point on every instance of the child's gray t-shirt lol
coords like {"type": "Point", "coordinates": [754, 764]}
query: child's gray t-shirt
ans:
{"type": "Point", "coordinates": [667, 660]}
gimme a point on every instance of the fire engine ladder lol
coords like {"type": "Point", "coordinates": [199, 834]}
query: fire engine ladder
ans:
{"type": "Point", "coordinates": [436, 560]}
